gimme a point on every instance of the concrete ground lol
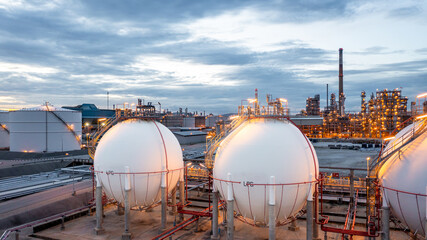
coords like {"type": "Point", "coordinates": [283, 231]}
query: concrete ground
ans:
{"type": "Point", "coordinates": [145, 225]}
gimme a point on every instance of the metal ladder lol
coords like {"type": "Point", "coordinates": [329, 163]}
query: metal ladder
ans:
{"type": "Point", "coordinates": [417, 130]}
{"type": "Point", "coordinates": [65, 123]}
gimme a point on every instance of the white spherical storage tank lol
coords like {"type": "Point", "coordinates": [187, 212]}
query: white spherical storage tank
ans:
{"type": "Point", "coordinates": [404, 179]}
{"type": "Point", "coordinates": [45, 129]}
{"type": "Point", "coordinates": [255, 151]}
{"type": "Point", "coordinates": [149, 150]}
{"type": "Point", "coordinates": [4, 129]}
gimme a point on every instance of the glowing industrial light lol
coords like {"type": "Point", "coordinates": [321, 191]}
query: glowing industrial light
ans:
{"type": "Point", "coordinates": [251, 100]}
{"type": "Point", "coordinates": [422, 95]}
{"type": "Point", "coordinates": [102, 119]}
{"type": "Point", "coordinates": [86, 124]}
{"type": "Point", "coordinates": [389, 138]}
{"type": "Point", "coordinates": [368, 158]}
{"type": "Point", "coordinates": [283, 99]}
{"type": "Point", "coordinates": [202, 165]}
{"type": "Point", "coordinates": [188, 164]}
{"type": "Point", "coordinates": [422, 116]}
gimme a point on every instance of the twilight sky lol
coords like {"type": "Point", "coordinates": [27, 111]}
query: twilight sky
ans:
{"type": "Point", "coordinates": [207, 55]}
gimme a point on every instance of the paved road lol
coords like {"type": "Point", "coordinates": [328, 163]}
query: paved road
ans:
{"type": "Point", "coordinates": [24, 204]}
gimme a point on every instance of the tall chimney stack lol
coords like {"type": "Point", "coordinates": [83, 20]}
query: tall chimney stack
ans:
{"type": "Point", "coordinates": [341, 87]}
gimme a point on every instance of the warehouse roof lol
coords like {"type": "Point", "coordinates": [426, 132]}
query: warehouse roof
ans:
{"type": "Point", "coordinates": [190, 133]}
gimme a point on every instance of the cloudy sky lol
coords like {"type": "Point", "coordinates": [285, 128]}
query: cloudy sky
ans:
{"type": "Point", "coordinates": [207, 55]}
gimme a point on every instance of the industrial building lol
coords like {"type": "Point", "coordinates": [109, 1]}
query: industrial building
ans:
{"type": "Point", "coordinates": [190, 137]}
{"type": "Point", "coordinates": [172, 120]}
{"type": "Point", "coordinates": [45, 129]}
{"type": "Point", "coordinates": [311, 126]}
{"type": "Point", "coordinates": [91, 113]}
{"type": "Point", "coordinates": [313, 106]}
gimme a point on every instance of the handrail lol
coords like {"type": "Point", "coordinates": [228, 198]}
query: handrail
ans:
{"type": "Point", "coordinates": [416, 131]}
{"type": "Point", "coordinates": [214, 142]}
{"type": "Point", "coordinates": [97, 136]}
{"type": "Point", "coordinates": [54, 217]}
{"type": "Point", "coordinates": [108, 124]}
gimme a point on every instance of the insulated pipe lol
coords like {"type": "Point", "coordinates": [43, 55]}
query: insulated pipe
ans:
{"type": "Point", "coordinates": [181, 194]}
{"type": "Point", "coordinates": [173, 210]}
{"type": "Point", "coordinates": [215, 231]}
{"type": "Point", "coordinates": [316, 216]}
{"type": "Point", "coordinates": [352, 187]}
{"type": "Point", "coordinates": [309, 219]}
{"type": "Point", "coordinates": [271, 210]}
{"type": "Point", "coordinates": [127, 234]}
{"type": "Point", "coordinates": [230, 209]}
{"type": "Point", "coordinates": [164, 203]}
{"type": "Point", "coordinates": [99, 208]}
{"type": "Point", "coordinates": [385, 235]}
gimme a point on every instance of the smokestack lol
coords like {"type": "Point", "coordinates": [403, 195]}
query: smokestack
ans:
{"type": "Point", "coordinates": [256, 94]}
{"type": "Point", "coordinates": [108, 100]}
{"type": "Point", "coordinates": [341, 87]}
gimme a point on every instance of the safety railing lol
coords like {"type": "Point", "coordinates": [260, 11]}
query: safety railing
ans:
{"type": "Point", "coordinates": [213, 144]}
{"type": "Point", "coordinates": [397, 145]}
{"type": "Point", "coordinates": [59, 216]}
{"type": "Point", "coordinates": [97, 136]}
{"type": "Point", "coordinates": [344, 182]}
{"type": "Point", "coordinates": [284, 189]}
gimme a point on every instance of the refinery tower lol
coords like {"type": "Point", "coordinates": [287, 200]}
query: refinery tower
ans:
{"type": "Point", "coordinates": [341, 86]}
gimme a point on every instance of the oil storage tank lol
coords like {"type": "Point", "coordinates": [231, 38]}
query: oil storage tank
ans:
{"type": "Point", "coordinates": [4, 129]}
{"type": "Point", "coordinates": [252, 153]}
{"type": "Point", "coordinates": [403, 176]}
{"type": "Point", "coordinates": [45, 129]}
{"type": "Point", "coordinates": [149, 151]}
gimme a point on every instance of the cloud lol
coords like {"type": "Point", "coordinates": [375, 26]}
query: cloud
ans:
{"type": "Point", "coordinates": [405, 12]}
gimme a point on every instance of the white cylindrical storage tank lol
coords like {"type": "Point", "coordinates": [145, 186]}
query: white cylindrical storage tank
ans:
{"type": "Point", "coordinates": [257, 150]}
{"type": "Point", "coordinates": [4, 128]}
{"type": "Point", "coordinates": [45, 129]}
{"type": "Point", "coordinates": [404, 179]}
{"type": "Point", "coordinates": [149, 149]}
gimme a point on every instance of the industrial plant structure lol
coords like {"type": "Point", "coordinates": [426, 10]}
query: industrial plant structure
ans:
{"type": "Point", "coordinates": [312, 106]}
{"type": "Point", "coordinates": [385, 111]}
